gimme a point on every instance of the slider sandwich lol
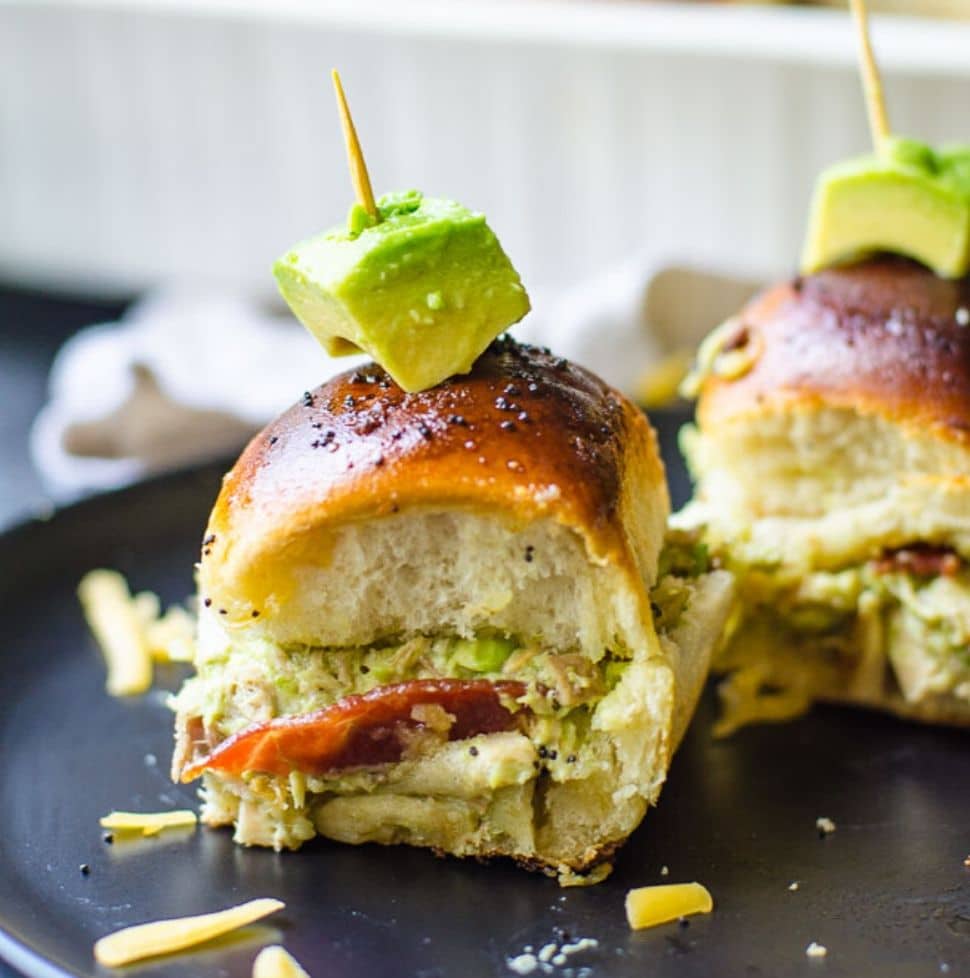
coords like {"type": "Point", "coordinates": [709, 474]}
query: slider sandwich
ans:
{"type": "Point", "coordinates": [447, 619]}
{"type": "Point", "coordinates": [832, 453]}
{"type": "Point", "coordinates": [442, 611]}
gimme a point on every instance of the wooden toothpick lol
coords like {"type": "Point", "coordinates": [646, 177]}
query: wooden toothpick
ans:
{"type": "Point", "coordinates": [871, 81]}
{"type": "Point", "coordinates": [355, 156]}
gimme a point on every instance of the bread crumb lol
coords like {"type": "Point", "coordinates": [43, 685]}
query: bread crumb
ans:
{"type": "Point", "coordinates": [824, 825]}
{"type": "Point", "coordinates": [549, 957]}
{"type": "Point", "coordinates": [793, 885]}
{"type": "Point", "coordinates": [523, 964]}
{"type": "Point", "coordinates": [966, 861]}
{"type": "Point", "coordinates": [547, 952]}
{"type": "Point", "coordinates": [816, 950]}
{"type": "Point", "coordinates": [664, 870]}
{"type": "Point", "coordinates": [583, 944]}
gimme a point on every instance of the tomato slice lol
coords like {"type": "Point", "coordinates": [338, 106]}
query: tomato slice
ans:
{"type": "Point", "coordinates": [362, 730]}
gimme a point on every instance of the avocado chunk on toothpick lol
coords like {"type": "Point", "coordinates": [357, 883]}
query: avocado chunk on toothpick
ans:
{"type": "Point", "coordinates": [420, 284]}
{"type": "Point", "coordinates": [904, 198]}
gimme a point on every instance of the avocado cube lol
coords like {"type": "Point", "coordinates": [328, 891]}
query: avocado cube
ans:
{"type": "Point", "coordinates": [907, 200]}
{"type": "Point", "coordinates": [482, 654]}
{"type": "Point", "coordinates": [423, 291]}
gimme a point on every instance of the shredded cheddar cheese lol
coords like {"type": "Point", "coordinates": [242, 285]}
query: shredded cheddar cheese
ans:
{"type": "Point", "coordinates": [132, 631]}
{"type": "Point", "coordinates": [744, 701]}
{"type": "Point", "coordinates": [652, 905]}
{"type": "Point", "coordinates": [116, 623]}
{"type": "Point", "coordinates": [149, 823]}
{"type": "Point", "coordinates": [171, 637]}
{"type": "Point", "coordinates": [276, 962]}
{"type": "Point", "coordinates": [824, 826]}
{"type": "Point", "coordinates": [167, 936]}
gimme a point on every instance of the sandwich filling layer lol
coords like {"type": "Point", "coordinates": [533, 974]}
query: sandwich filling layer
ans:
{"type": "Point", "coordinates": [899, 623]}
{"type": "Point", "coordinates": [891, 630]}
{"type": "Point", "coordinates": [419, 731]}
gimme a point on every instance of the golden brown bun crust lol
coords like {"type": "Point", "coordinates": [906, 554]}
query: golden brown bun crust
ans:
{"type": "Point", "coordinates": [525, 433]}
{"type": "Point", "coordinates": [881, 336]}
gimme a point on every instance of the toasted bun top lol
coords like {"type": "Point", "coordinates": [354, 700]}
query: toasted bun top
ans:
{"type": "Point", "coordinates": [885, 337]}
{"type": "Point", "coordinates": [525, 433]}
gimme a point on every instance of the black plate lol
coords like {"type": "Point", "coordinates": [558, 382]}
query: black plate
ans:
{"type": "Point", "coordinates": [887, 893]}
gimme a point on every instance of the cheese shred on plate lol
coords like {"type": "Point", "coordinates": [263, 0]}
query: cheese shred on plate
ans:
{"type": "Point", "coordinates": [652, 905]}
{"type": "Point", "coordinates": [149, 823]}
{"type": "Point", "coordinates": [276, 962]}
{"type": "Point", "coordinates": [114, 620]}
{"type": "Point", "coordinates": [132, 631]}
{"type": "Point", "coordinates": [167, 936]}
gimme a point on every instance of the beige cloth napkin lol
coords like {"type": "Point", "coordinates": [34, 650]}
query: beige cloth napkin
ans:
{"type": "Point", "coordinates": [186, 376]}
